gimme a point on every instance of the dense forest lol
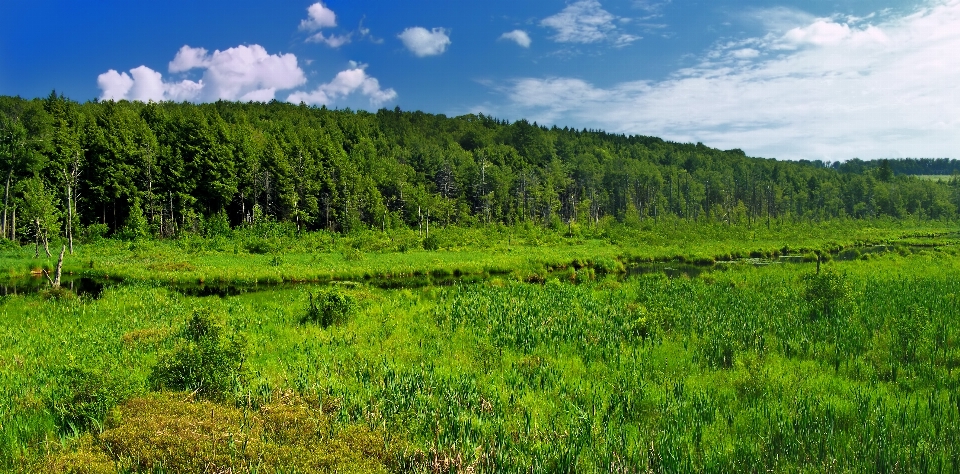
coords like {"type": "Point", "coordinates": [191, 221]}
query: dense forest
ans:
{"type": "Point", "coordinates": [903, 166]}
{"type": "Point", "coordinates": [161, 168]}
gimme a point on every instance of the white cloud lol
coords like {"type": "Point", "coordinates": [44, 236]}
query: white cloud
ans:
{"type": "Point", "coordinates": [745, 53]}
{"type": "Point", "coordinates": [778, 20]}
{"type": "Point", "coordinates": [364, 32]}
{"type": "Point", "coordinates": [652, 7]}
{"type": "Point", "coordinates": [233, 73]}
{"type": "Point", "coordinates": [517, 36]}
{"type": "Point", "coordinates": [240, 73]}
{"type": "Point", "coordinates": [423, 42]}
{"type": "Point", "coordinates": [585, 21]}
{"type": "Point", "coordinates": [147, 85]}
{"type": "Point", "coordinates": [318, 16]}
{"type": "Point", "coordinates": [114, 85]}
{"type": "Point", "coordinates": [624, 40]}
{"type": "Point", "coordinates": [333, 41]}
{"type": "Point", "coordinates": [188, 58]}
{"type": "Point", "coordinates": [183, 91]}
{"type": "Point", "coordinates": [347, 82]}
{"type": "Point", "coordinates": [829, 89]}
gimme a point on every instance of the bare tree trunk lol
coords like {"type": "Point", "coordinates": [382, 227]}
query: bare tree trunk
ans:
{"type": "Point", "coordinates": [6, 200]}
{"type": "Point", "coordinates": [55, 282]}
{"type": "Point", "coordinates": [46, 244]}
{"type": "Point", "coordinates": [70, 216]}
{"type": "Point", "coordinates": [36, 241]}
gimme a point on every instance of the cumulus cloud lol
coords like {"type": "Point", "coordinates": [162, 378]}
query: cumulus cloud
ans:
{"type": "Point", "coordinates": [237, 72]}
{"type": "Point", "coordinates": [318, 16]}
{"type": "Point", "coordinates": [517, 36]}
{"type": "Point", "coordinates": [348, 82]}
{"type": "Point", "coordinates": [240, 73]}
{"type": "Point", "coordinates": [585, 21]}
{"type": "Point", "coordinates": [423, 42]}
{"type": "Point", "coordinates": [828, 89]}
{"type": "Point", "coordinates": [243, 73]}
{"type": "Point", "coordinates": [188, 58]}
{"type": "Point", "coordinates": [114, 85]}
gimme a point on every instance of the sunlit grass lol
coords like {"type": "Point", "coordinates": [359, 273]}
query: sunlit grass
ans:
{"type": "Point", "coordinates": [740, 369]}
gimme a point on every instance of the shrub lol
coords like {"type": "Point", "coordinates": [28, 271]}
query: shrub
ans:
{"type": "Point", "coordinates": [203, 361]}
{"type": "Point", "coordinates": [608, 265]}
{"type": "Point", "coordinates": [217, 225]}
{"type": "Point", "coordinates": [827, 293]}
{"type": "Point", "coordinates": [260, 245]}
{"type": "Point", "coordinates": [351, 254]}
{"type": "Point", "coordinates": [57, 293]}
{"type": "Point", "coordinates": [95, 233]}
{"type": "Point", "coordinates": [330, 306]}
{"type": "Point", "coordinates": [136, 226]}
{"type": "Point", "coordinates": [431, 242]}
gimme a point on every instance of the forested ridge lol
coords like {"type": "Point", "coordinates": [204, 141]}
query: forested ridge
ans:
{"type": "Point", "coordinates": [160, 168]}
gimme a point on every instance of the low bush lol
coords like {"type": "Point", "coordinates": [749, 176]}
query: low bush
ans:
{"type": "Point", "coordinates": [204, 360]}
{"type": "Point", "coordinates": [431, 242]}
{"type": "Point", "coordinates": [258, 245]}
{"type": "Point", "coordinates": [330, 306]}
{"type": "Point", "coordinates": [827, 292]}
{"type": "Point", "coordinates": [94, 233]}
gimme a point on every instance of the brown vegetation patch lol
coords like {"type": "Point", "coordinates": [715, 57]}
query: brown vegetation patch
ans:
{"type": "Point", "coordinates": [149, 337]}
{"type": "Point", "coordinates": [173, 432]}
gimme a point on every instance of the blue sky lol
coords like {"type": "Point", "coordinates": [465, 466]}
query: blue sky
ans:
{"type": "Point", "coordinates": [812, 79]}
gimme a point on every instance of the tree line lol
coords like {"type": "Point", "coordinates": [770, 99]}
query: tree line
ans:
{"type": "Point", "coordinates": [161, 168]}
{"type": "Point", "coordinates": [903, 166]}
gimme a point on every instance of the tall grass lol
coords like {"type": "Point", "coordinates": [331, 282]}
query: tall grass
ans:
{"type": "Point", "coordinates": [749, 369]}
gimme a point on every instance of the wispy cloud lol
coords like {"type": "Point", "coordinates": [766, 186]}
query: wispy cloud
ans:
{"type": "Point", "coordinates": [777, 20]}
{"type": "Point", "coordinates": [585, 22]}
{"type": "Point", "coordinates": [823, 88]}
{"type": "Point", "coordinates": [423, 42]}
{"type": "Point", "coordinates": [333, 41]}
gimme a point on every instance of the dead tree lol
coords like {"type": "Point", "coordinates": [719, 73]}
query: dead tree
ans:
{"type": "Point", "coordinates": [55, 282]}
{"type": "Point", "coordinates": [71, 177]}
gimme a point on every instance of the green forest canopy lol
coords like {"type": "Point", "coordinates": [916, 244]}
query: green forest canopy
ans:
{"type": "Point", "coordinates": [174, 164]}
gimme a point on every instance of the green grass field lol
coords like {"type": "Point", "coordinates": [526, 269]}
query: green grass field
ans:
{"type": "Point", "coordinates": [743, 368]}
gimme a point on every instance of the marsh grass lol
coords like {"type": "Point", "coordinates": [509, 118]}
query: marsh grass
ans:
{"type": "Point", "coordinates": [752, 369]}
{"type": "Point", "coordinates": [495, 250]}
